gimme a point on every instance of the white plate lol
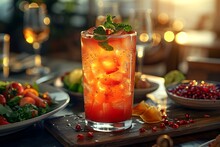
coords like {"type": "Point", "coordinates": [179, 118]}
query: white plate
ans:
{"type": "Point", "coordinates": [206, 144]}
{"type": "Point", "coordinates": [194, 103]}
{"type": "Point", "coordinates": [58, 95]}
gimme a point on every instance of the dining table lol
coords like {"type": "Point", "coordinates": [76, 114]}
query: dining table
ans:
{"type": "Point", "coordinates": [44, 134]}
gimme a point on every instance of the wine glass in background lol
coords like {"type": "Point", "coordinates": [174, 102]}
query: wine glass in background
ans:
{"type": "Point", "coordinates": [141, 22]}
{"type": "Point", "coordinates": [107, 8]}
{"type": "Point", "coordinates": [36, 30]}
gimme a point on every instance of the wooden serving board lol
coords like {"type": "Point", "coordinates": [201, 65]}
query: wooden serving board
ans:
{"type": "Point", "coordinates": [63, 128]}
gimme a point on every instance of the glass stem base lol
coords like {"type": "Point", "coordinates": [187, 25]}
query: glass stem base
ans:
{"type": "Point", "coordinates": [108, 127]}
{"type": "Point", "coordinates": [38, 70]}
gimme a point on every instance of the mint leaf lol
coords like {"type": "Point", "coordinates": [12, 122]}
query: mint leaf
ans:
{"type": "Point", "coordinates": [125, 27]}
{"type": "Point", "coordinates": [109, 25]}
{"type": "Point", "coordinates": [100, 32]}
{"type": "Point", "coordinates": [100, 37]}
{"type": "Point", "coordinates": [109, 18]}
{"type": "Point", "coordinates": [106, 46]}
{"type": "Point", "coordinates": [109, 22]}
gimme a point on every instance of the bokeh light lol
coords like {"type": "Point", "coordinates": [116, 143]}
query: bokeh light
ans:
{"type": "Point", "coordinates": [169, 36]}
{"type": "Point", "coordinates": [47, 20]}
{"type": "Point", "coordinates": [181, 37]}
{"type": "Point", "coordinates": [177, 25]}
{"type": "Point", "coordinates": [156, 39]}
{"type": "Point", "coordinates": [143, 37]}
{"type": "Point", "coordinates": [163, 18]}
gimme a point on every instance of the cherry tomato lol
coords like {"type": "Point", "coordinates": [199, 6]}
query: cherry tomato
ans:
{"type": "Point", "coordinates": [26, 100]}
{"type": "Point", "coordinates": [45, 96]}
{"type": "Point", "coordinates": [2, 99]}
{"type": "Point", "coordinates": [3, 120]}
{"type": "Point", "coordinates": [32, 90]}
{"type": "Point", "coordinates": [14, 89]}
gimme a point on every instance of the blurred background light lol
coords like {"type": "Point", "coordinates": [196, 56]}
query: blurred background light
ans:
{"type": "Point", "coordinates": [169, 36]}
{"type": "Point", "coordinates": [177, 25]}
{"type": "Point", "coordinates": [163, 18]}
{"type": "Point", "coordinates": [181, 37]}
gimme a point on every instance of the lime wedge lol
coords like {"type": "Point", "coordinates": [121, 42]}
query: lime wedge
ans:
{"type": "Point", "coordinates": [75, 76]}
{"type": "Point", "coordinates": [173, 77]}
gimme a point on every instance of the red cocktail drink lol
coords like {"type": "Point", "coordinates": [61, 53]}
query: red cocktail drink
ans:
{"type": "Point", "coordinates": [108, 79]}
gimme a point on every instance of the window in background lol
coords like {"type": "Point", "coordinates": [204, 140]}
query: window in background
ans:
{"type": "Point", "coordinates": [195, 14]}
{"type": "Point", "coordinates": [6, 11]}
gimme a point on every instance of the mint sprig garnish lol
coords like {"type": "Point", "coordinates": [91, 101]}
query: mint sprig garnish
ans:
{"type": "Point", "coordinates": [106, 46]}
{"type": "Point", "coordinates": [108, 28]}
{"type": "Point", "coordinates": [100, 30]}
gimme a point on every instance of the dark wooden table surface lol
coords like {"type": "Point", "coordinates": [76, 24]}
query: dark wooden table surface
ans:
{"type": "Point", "coordinates": [37, 135]}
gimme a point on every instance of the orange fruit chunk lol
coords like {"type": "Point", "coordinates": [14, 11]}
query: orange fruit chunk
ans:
{"type": "Point", "coordinates": [109, 64]}
{"type": "Point", "coordinates": [139, 108]}
{"type": "Point", "coordinates": [151, 115]}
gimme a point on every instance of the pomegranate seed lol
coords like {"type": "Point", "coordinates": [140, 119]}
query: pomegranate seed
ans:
{"type": "Point", "coordinates": [187, 122]}
{"type": "Point", "coordinates": [191, 121]}
{"type": "Point", "coordinates": [175, 126]}
{"type": "Point", "coordinates": [184, 122]}
{"type": "Point", "coordinates": [178, 122]}
{"type": "Point", "coordinates": [78, 127]}
{"type": "Point", "coordinates": [142, 130]}
{"type": "Point", "coordinates": [154, 129]}
{"type": "Point", "coordinates": [162, 126]}
{"type": "Point", "coordinates": [80, 136]}
{"type": "Point", "coordinates": [90, 134]}
{"type": "Point", "coordinates": [166, 122]}
{"type": "Point", "coordinates": [171, 123]}
{"type": "Point", "coordinates": [187, 115]}
{"type": "Point", "coordinates": [206, 116]}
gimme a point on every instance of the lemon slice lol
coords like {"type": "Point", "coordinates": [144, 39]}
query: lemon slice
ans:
{"type": "Point", "coordinates": [173, 77]}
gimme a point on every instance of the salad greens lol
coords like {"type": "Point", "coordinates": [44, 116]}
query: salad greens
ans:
{"type": "Point", "coordinates": [15, 104]}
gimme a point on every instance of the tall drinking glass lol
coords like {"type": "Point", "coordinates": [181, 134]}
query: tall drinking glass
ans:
{"type": "Point", "coordinates": [108, 80]}
{"type": "Point", "coordinates": [141, 21]}
{"type": "Point", "coordinates": [36, 30]}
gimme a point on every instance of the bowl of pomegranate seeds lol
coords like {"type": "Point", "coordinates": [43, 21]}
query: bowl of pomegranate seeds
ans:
{"type": "Point", "coordinates": [195, 94]}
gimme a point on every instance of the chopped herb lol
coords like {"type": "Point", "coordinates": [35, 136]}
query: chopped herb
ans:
{"type": "Point", "coordinates": [100, 31]}
{"type": "Point", "coordinates": [5, 110]}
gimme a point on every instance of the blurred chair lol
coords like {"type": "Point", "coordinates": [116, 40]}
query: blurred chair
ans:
{"type": "Point", "coordinates": [203, 68]}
